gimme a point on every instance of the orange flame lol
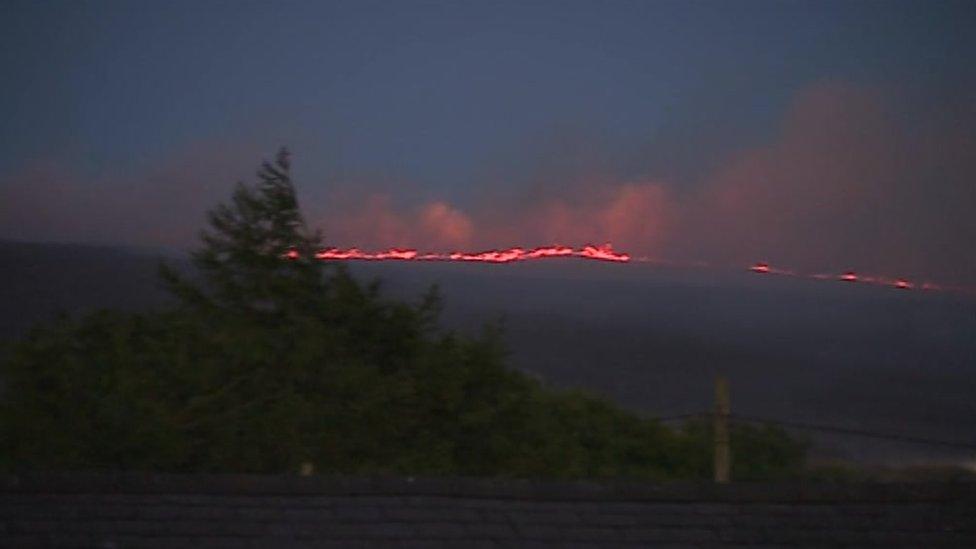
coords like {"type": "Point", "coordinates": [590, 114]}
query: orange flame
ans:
{"type": "Point", "coordinates": [590, 252]}
{"type": "Point", "coordinates": [600, 253]}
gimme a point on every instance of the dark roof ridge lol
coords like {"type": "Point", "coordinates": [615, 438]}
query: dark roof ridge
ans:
{"type": "Point", "coordinates": [486, 488]}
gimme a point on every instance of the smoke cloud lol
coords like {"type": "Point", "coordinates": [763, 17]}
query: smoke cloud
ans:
{"type": "Point", "coordinates": [377, 223]}
{"type": "Point", "coordinates": [855, 177]}
{"type": "Point", "coordinates": [160, 206]}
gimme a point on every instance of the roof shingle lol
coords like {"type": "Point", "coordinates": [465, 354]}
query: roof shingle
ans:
{"type": "Point", "coordinates": [133, 510]}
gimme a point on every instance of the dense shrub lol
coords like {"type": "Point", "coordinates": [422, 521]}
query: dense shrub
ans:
{"type": "Point", "coordinates": [265, 363]}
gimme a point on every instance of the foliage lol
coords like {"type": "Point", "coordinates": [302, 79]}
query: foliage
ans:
{"type": "Point", "coordinates": [264, 364]}
{"type": "Point", "coordinates": [765, 452]}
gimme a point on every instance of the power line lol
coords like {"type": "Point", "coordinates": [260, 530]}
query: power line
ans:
{"type": "Point", "coordinates": [857, 432]}
{"type": "Point", "coordinates": [680, 417]}
{"type": "Point", "coordinates": [831, 429]}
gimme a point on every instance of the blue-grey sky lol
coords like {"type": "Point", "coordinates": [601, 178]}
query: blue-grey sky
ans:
{"type": "Point", "coordinates": [465, 103]}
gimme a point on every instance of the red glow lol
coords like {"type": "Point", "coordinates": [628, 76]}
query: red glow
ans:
{"type": "Point", "coordinates": [590, 252]}
{"type": "Point", "coordinates": [603, 253]}
{"type": "Point", "coordinates": [600, 253]}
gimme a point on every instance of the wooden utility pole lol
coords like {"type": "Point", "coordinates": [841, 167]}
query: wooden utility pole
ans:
{"type": "Point", "coordinates": [723, 453]}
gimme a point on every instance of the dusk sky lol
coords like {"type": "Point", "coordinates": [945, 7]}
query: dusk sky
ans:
{"type": "Point", "coordinates": [817, 135]}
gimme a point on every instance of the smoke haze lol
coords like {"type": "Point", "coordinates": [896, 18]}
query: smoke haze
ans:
{"type": "Point", "coordinates": [853, 177]}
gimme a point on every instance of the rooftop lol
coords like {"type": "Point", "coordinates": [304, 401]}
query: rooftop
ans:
{"type": "Point", "coordinates": [142, 510]}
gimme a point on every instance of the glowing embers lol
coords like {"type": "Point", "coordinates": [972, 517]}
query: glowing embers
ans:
{"type": "Point", "coordinates": [849, 276]}
{"type": "Point", "coordinates": [356, 253]}
{"type": "Point", "coordinates": [603, 253]}
{"type": "Point", "coordinates": [600, 253]}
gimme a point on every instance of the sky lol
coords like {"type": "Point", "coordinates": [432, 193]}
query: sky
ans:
{"type": "Point", "coordinates": [820, 136]}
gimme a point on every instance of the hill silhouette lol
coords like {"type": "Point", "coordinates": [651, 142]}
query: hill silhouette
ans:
{"type": "Point", "coordinates": [648, 338]}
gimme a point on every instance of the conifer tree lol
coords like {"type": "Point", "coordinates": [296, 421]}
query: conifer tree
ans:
{"type": "Point", "coordinates": [271, 359]}
{"type": "Point", "coordinates": [241, 264]}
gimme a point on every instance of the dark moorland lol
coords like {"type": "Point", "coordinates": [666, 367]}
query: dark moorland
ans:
{"type": "Point", "coordinates": [650, 338]}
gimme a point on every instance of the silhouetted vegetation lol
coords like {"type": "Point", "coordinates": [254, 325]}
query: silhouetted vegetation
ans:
{"type": "Point", "coordinates": [266, 363]}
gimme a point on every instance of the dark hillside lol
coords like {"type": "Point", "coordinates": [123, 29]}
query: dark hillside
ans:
{"type": "Point", "coordinates": [650, 338]}
{"type": "Point", "coordinates": [39, 280]}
